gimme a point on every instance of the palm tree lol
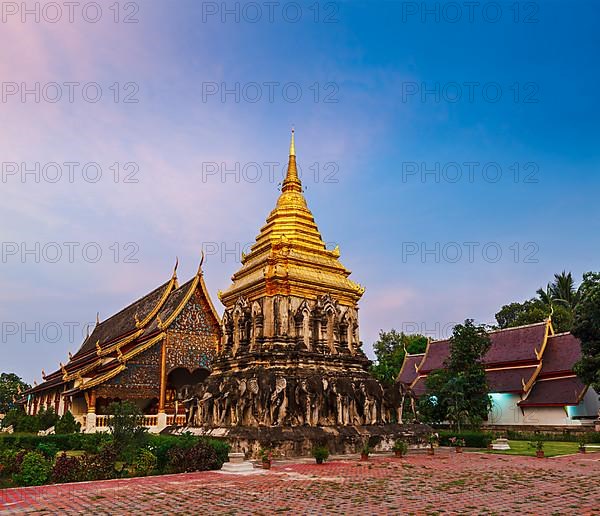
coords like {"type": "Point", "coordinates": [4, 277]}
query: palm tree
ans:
{"type": "Point", "coordinates": [561, 291]}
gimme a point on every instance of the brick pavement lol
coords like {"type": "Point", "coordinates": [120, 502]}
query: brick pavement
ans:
{"type": "Point", "coordinates": [468, 483]}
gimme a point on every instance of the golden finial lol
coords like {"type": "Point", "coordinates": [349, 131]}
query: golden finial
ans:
{"type": "Point", "coordinates": [336, 251]}
{"type": "Point", "coordinates": [137, 320]}
{"type": "Point", "coordinates": [219, 294]}
{"type": "Point", "coordinates": [63, 369]}
{"type": "Point", "coordinates": [201, 262]}
{"type": "Point", "coordinates": [98, 348]}
{"type": "Point", "coordinates": [292, 146]}
{"type": "Point", "coordinates": [175, 268]}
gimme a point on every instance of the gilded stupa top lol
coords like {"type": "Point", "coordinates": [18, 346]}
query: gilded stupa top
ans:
{"type": "Point", "coordinates": [289, 256]}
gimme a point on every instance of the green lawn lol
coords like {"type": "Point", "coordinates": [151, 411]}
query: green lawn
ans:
{"type": "Point", "coordinates": [551, 448]}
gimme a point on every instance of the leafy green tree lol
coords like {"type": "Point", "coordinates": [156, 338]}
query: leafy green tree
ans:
{"type": "Point", "coordinates": [587, 329]}
{"type": "Point", "coordinates": [10, 386]}
{"type": "Point", "coordinates": [559, 298]}
{"type": "Point", "coordinates": [459, 393]}
{"type": "Point", "coordinates": [126, 427]}
{"type": "Point", "coordinates": [390, 350]}
{"type": "Point", "coordinates": [534, 311]}
{"type": "Point", "coordinates": [67, 424]}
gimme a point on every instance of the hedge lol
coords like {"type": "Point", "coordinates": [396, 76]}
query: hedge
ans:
{"type": "Point", "coordinates": [63, 442]}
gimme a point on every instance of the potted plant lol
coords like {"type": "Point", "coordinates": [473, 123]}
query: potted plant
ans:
{"type": "Point", "coordinates": [432, 441]}
{"type": "Point", "coordinates": [582, 443]}
{"type": "Point", "coordinates": [400, 448]}
{"type": "Point", "coordinates": [458, 443]}
{"type": "Point", "coordinates": [320, 453]}
{"type": "Point", "coordinates": [539, 448]}
{"type": "Point", "coordinates": [364, 452]}
{"type": "Point", "coordinates": [266, 456]}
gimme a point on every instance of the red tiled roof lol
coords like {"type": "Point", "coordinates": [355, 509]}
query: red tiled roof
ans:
{"type": "Point", "coordinates": [419, 386]}
{"type": "Point", "coordinates": [509, 380]}
{"type": "Point", "coordinates": [408, 373]}
{"type": "Point", "coordinates": [562, 351]}
{"type": "Point", "coordinates": [515, 345]}
{"type": "Point", "coordinates": [435, 355]}
{"type": "Point", "coordinates": [555, 392]}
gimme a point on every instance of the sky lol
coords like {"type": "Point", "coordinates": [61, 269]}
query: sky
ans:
{"type": "Point", "coordinates": [450, 150]}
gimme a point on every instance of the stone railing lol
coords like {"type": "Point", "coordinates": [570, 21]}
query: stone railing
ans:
{"type": "Point", "coordinates": [177, 420]}
{"type": "Point", "coordinates": [153, 422]}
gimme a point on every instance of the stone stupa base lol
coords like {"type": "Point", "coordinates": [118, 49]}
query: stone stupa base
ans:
{"type": "Point", "coordinates": [299, 441]}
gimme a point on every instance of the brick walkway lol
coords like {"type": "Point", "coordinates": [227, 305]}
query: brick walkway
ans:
{"type": "Point", "coordinates": [449, 482]}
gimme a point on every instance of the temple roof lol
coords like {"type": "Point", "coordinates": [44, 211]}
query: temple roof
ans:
{"type": "Point", "coordinates": [562, 351]}
{"type": "Point", "coordinates": [549, 392]}
{"type": "Point", "coordinates": [515, 345]}
{"type": "Point", "coordinates": [136, 328]}
{"type": "Point", "coordinates": [516, 359]}
{"type": "Point", "coordinates": [127, 320]}
{"type": "Point", "coordinates": [513, 379]}
{"type": "Point", "coordinates": [408, 371]}
{"type": "Point", "coordinates": [290, 256]}
{"type": "Point", "coordinates": [436, 353]}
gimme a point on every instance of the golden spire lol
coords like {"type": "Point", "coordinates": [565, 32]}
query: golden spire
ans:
{"type": "Point", "coordinates": [291, 253]}
{"type": "Point", "coordinates": [291, 182]}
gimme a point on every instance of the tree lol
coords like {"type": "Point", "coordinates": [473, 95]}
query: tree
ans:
{"type": "Point", "coordinates": [67, 424]}
{"type": "Point", "coordinates": [586, 328]}
{"type": "Point", "coordinates": [559, 299]}
{"type": "Point", "coordinates": [390, 350]}
{"type": "Point", "coordinates": [534, 311]}
{"type": "Point", "coordinates": [11, 386]}
{"type": "Point", "coordinates": [126, 427]}
{"type": "Point", "coordinates": [459, 392]}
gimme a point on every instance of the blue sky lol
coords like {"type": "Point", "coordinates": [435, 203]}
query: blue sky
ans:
{"type": "Point", "coordinates": [388, 93]}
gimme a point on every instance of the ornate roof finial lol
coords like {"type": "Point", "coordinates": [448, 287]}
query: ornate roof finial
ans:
{"type": "Point", "coordinates": [43, 374]}
{"type": "Point", "coordinates": [87, 331]}
{"type": "Point", "coordinates": [175, 268]}
{"type": "Point", "coordinates": [70, 355]}
{"type": "Point", "coordinates": [97, 318]}
{"type": "Point", "coordinates": [292, 146]}
{"type": "Point", "coordinates": [201, 262]}
{"type": "Point", "coordinates": [98, 348]}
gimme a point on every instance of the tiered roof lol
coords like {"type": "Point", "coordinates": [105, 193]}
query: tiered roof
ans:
{"type": "Point", "coordinates": [289, 256]}
{"type": "Point", "coordinates": [527, 360]}
{"type": "Point", "coordinates": [556, 384]}
{"type": "Point", "coordinates": [105, 352]}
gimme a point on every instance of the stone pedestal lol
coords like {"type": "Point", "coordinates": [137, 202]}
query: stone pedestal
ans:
{"type": "Point", "coordinates": [90, 423]}
{"type": "Point", "coordinates": [500, 444]}
{"type": "Point", "coordinates": [238, 465]}
{"type": "Point", "coordinates": [161, 421]}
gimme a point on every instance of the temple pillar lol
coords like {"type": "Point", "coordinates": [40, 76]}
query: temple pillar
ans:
{"type": "Point", "coordinates": [90, 421]}
{"type": "Point", "coordinates": [163, 379]}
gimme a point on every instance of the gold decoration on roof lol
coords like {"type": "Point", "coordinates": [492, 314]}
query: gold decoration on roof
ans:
{"type": "Point", "coordinates": [98, 348]}
{"type": "Point", "coordinates": [289, 256]}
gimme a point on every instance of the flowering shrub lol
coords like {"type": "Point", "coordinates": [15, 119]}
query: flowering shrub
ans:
{"type": "Point", "coordinates": [66, 469]}
{"type": "Point", "coordinates": [100, 466]}
{"type": "Point", "coordinates": [201, 457]}
{"type": "Point", "coordinates": [11, 461]}
{"type": "Point", "coordinates": [457, 442]}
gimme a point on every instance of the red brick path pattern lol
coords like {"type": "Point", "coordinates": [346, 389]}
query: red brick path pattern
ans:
{"type": "Point", "coordinates": [468, 483]}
